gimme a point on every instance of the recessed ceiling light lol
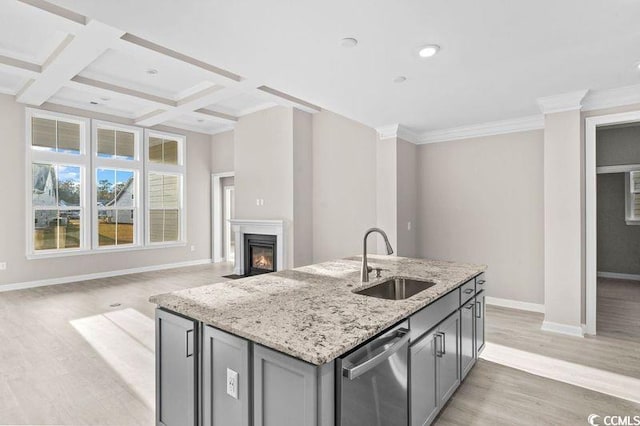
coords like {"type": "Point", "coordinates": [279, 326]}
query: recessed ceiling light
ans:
{"type": "Point", "coordinates": [348, 42]}
{"type": "Point", "coordinates": [428, 51]}
{"type": "Point", "coordinates": [400, 79]}
{"type": "Point", "coordinates": [152, 71]}
{"type": "Point", "coordinates": [94, 103]}
{"type": "Point", "coordinates": [638, 66]}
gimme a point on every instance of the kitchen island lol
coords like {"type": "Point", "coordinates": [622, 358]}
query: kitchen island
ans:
{"type": "Point", "coordinates": [274, 349]}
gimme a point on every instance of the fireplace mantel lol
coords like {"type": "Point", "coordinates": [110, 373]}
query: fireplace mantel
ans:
{"type": "Point", "coordinates": [263, 227]}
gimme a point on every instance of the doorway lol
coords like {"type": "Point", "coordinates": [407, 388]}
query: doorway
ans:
{"type": "Point", "coordinates": [612, 171]}
{"type": "Point", "coordinates": [219, 214]}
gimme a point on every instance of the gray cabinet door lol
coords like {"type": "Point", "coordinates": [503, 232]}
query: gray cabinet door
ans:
{"type": "Point", "coordinates": [176, 370]}
{"type": "Point", "coordinates": [448, 354]}
{"type": "Point", "coordinates": [467, 336]}
{"type": "Point", "coordinates": [480, 315]}
{"type": "Point", "coordinates": [223, 353]}
{"type": "Point", "coordinates": [423, 397]}
{"type": "Point", "coordinates": [284, 390]}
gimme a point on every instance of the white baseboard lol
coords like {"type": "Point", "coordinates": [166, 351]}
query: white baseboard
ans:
{"type": "Point", "coordinates": [571, 330]}
{"type": "Point", "coordinates": [98, 275]}
{"type": "Point", "coordinates": [515, 304]}
{"type": "Point", "coordinates": [619, 276]}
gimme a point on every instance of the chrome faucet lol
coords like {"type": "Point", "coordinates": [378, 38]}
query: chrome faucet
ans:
{"type": "Point", "coordinates": [364, 272]}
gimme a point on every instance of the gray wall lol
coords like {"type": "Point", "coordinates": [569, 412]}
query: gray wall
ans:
{"type": "Point", "coordinates": [344, 185]}
{"type": "Point", "coordinates": [222, 152]}
{"type": "Point", "coordinates": [407, 194]}
{"type": "Point", "coordinates": [618, 243]}
{"type": "Point", "coordinates": [481, 200]}
{"type": "Point", "coordinates": [13, 219]}
{"type": "Point", "coordinates": [618, 145]}
{"type": "Point", "coordinates": [302, 188]}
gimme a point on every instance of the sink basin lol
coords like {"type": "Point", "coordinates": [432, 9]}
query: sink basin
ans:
{"type": "Point", "coordinates": [396, 289]}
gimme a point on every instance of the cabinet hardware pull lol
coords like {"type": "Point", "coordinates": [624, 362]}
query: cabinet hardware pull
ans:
{"type": "Point", "coordinates": [470, 305]}
{"type": "Point", "coordinates": [439, 351]}
{"type": "Point", "coordinates": [480, 282]}
{"type": "Point", "coordinates": [444, 343]}
{"type": "Point", "coordinates": [468, 291]}
{"type": "Point", "coordinates": [478, 310]}
{"type": "Point", "coordinates": [189, 343]}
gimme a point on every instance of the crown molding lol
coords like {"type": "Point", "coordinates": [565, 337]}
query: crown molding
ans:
{"type": "Point", "coordinates": [563, 102]}
{"type": "Point", "coordinates": [388, 132]}
{"type": "Point", "coordinates": [522, 124]}
{"type": "Point", "coordinates": [611, 98]}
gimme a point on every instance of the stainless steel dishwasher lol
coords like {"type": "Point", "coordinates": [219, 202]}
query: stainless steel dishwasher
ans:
{"type": "Point", "coordinates": [372, 382]}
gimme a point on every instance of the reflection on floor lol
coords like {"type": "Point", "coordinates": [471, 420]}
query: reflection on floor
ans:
{"type": "Point", "coordinates": [68, 357]}
{"type": "Point", "coordinates": [618, 309]}
{"type": "Point", "coordinates": [125, 340]}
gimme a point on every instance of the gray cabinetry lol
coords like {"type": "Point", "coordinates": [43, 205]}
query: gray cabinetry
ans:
{"type": "Point", "coordinates": [480, 314]}
{"type": "Point", "coordinates": [423, 395]}
{"type": "Point", "coordinates": [224, 358]}
{"type": "Point", "coordinates": [448, 354]}
{"type": "Point", "coordinates": [290, 392]}
{"type": "Point", "coordinates": [467, 336]}
{"type": "Point", "coordinates": [176, 370]}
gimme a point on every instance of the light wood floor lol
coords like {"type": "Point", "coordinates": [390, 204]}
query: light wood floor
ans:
{"type": "Point", "coordinates": [68, 357]}
{"type": "Point", "coordinates": [618, 309]}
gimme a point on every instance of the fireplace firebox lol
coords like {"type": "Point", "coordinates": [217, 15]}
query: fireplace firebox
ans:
{"type": "Point", "coordinates": [259, 254]}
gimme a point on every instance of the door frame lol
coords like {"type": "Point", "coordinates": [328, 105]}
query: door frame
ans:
{"type": "Point", "coordinates": [216, 215]}
{"type": "Point", "coordinates": [591, 209]}
{"type": "Point", "coordinates": [227, 190]}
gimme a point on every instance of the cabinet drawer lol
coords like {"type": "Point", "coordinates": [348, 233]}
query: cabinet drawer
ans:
{"type": "Point", "coordinates": [481, 282]}
{"type": "Point", "coordinates": [467, 291]}
{"type": "Point", "coordinates": [424, 320]}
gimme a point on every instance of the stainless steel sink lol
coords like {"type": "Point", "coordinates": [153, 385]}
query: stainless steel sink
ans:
{"type": "Point", "coordinates": [396, 289]}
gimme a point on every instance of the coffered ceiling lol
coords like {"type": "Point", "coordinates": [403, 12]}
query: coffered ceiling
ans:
{"type": "Point", "coordinates": [496, 58]}
{"type": "Point", "coordinates": [56, 55]}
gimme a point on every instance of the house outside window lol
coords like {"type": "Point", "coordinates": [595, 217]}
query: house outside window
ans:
{"type": "Point", "coordinates": [97, 186]}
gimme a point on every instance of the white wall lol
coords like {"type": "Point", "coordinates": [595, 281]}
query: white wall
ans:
{"type": "Point", "coordinates": [387, 192]}
{"type": "Point", "coordinates": [481, 201]}
{"type": "Point", "coordinates": [344, 185]}
{"type": "Point", "coordinates": [13, 216]}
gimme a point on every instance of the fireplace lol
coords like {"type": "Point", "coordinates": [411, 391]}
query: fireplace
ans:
{"type": "Point", "coordinates": [260, 254]}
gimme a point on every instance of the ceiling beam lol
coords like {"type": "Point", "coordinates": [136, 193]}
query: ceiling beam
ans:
{"type": "Point", "coordinates": [73, 55]}
{"type": "Point", "coordinates": [181, 57]}
{"type": "Point", "coordinates": [197, 101]}
{"type": "Point", "coordinates": [216, 114]}
{"type": "Point", "coordinates": [57, 10]}
{"type": "Point", "coordinates": [20, 64]}
{"type": "Point", "coordinates": [83, 82]}
{"type": "Point", "coordinates": [286, 99]}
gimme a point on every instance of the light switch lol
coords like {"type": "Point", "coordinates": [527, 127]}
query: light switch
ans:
{"type": "Point", "coordinates": [3, 266]}
{"type": "Point", "coordinates": [232, 383]}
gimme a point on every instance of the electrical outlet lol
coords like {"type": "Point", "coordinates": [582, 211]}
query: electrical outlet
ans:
{"type": "Point", "coordinates": [409, 226]}
{"type": "Point", "coordinates": [3, 266]}
{"type": "Point", "coordinates": [232, 383]}
{"type": "Point", "coordinates": [193, 248]}
{"type": "Point", "coordinates": [257, 201]}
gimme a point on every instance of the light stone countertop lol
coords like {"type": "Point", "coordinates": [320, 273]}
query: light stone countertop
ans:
{"type": "Point", "coordinates": [311, 313]}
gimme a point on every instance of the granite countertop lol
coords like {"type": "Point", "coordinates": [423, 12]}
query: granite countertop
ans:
{"type": "Point", "coordinates": [311, 312]}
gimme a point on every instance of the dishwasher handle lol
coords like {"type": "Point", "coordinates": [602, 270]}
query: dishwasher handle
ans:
{"type": "Point", "coordinates": [402, 336]}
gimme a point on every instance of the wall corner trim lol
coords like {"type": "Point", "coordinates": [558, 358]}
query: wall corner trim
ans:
{"type": "Point", "coordinates": [570, 330]}
{"type": "Point", "coordinates": [98, 275]}
{"type": "Point", "coordinates": [515, 304]}
{"type": "Point", "coordinates": [564, 102]}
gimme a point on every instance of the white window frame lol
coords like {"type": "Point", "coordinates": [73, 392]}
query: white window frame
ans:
{"type": "Point", "coordinates": [136, 165]}
{"type": "Point", "coordinates": [179, 170]}
{"type": "Point", "coordinates": [629, 198]}
{"type": "Point", "coordinates": [81, 160]}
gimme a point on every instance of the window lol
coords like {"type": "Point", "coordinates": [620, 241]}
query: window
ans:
{"type": "Point", "coordinates": [165, 188]}
{"type": "Point", "coordinates": [632, 197]}
{"type": "Point", "coordinates": [117, 170]}
{"type": "Point", "coordinates": [58, 162]}
{"type": "Point", "coordinates": [88, 181]}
